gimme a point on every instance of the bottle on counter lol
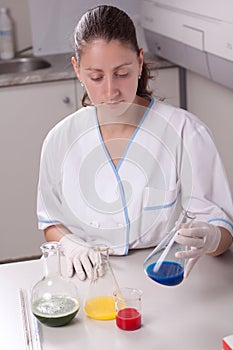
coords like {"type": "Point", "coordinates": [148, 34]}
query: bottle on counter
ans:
{"type": "Point", "coordinates": [6, 35]}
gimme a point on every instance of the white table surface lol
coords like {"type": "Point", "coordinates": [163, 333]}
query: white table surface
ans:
{"type": "Point", "coordinates": [194, 315]}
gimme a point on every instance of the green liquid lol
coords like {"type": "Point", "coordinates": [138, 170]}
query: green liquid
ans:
{"type": "Point", "coordinates": [55, 311]}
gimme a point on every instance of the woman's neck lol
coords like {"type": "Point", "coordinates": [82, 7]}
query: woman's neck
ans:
{"type": "Point", "coordinates": [116, 130]}
{"type": "Point", "coordinates": [122, 117]}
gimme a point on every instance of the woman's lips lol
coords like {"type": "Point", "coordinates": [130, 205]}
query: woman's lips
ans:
{"type": "Point", "coordinates": [113, 103]}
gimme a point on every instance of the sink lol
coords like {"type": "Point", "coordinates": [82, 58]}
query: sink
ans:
{"type": "Point", "coordinates": [23, 65]}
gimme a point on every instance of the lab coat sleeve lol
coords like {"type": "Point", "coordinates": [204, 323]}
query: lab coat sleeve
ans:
{"type": "Point", "coordinates": [49, 208]}
{"type": "Point", "coordinates": [206, 192]}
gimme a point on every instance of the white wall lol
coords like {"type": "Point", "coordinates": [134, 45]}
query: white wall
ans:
{"type": "Point", "coordinates": [19, 10]}
{"type": "Point", "coordinates": [60, 19]}
{"type": "Point", "coordinates": [213, 104]}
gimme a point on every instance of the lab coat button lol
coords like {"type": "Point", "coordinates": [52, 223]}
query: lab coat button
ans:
{"type": "Point", "coordinates": [120, 225]}
{"type": "Point", "coordinates": [95, 224]}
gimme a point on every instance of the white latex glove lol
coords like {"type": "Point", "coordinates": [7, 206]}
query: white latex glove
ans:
{"type": "Point", "coordinates": [79, 256]}
{"type": "Point", "coordinates": [200, 238]}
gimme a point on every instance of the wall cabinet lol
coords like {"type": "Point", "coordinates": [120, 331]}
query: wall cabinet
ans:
{"type": "Point", "coordinates": [27, 113]}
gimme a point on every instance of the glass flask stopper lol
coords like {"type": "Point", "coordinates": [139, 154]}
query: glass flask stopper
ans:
{"type": "Point", "coordinates": [100, 301]}
{"type": "Point", "coordinates": [54, 299]}
{"type": "Point", "coordinates": [162, 266]}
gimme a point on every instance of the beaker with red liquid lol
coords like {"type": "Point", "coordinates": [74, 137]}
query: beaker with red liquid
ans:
{"type": "Point", "coordinates": [128, 307]}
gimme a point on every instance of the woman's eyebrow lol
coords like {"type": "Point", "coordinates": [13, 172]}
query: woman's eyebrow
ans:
{"type": "Point", "coordinates": [93, 69]}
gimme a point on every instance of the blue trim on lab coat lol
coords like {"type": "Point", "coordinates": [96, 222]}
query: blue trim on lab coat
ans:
{"type": "Point", "coordinates": [158, 207]}
{"type": "Point", "coordinates": [223, 220]}
{"type": "Point", "coordinates": [49, 222]}
{"type": "Point", "coordinates": [116, 169]}
{"type": "Point", "coordinates": [135, 132]}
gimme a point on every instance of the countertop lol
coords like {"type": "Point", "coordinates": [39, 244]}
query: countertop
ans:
{"type": "Point", "coordinates": [61, 69]}
{"type": "Point", "coordinates": [194, 315]}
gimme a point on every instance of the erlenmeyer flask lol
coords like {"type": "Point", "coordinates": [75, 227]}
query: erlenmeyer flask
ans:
{"type": "Point", "coordinates": [100, 301]}
{"type": "Point", "coordinates": [54, 299]}
{"type": "Point", "coordinates": [162, 265]}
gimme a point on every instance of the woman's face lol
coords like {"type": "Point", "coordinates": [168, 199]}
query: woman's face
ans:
{"type": "Point", "coordinates": [109, 71]}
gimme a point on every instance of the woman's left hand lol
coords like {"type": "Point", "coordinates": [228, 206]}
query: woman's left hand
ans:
{"type": "Point", "coordinates": [200, 238]}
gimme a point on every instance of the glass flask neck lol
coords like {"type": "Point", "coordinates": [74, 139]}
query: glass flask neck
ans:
{"type": "Point", "coordinates": [188, 217]}
{"type": "Point", "coordinates": [51, 258]}
{"type": "Point", "coordinates": [102, 262]}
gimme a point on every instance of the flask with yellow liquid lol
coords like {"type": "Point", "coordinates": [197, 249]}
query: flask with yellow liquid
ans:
{"type": "Point", "coordinates": [100, 301]}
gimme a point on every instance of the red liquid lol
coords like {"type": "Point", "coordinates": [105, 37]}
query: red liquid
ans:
{"type": "Point", "coordinates": [128, 319]}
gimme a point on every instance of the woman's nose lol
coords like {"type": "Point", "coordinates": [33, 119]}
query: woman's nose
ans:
{"type": "Point", "coordinates": [111, 88]}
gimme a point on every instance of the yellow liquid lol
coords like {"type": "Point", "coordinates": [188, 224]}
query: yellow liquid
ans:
{"type": "Point", "coordinates": [101, 308]}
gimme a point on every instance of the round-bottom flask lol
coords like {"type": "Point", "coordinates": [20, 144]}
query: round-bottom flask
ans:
{"type": "Point", "coordinates": [100, 300]}
{"type": "Point", "coordinates": [54, 299]}
{"type": "Point", "coordinates": [162, 265]}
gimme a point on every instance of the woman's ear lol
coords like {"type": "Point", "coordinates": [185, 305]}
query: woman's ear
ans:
{"type": "Point", "coordinates": [141, 58]}
{"type": "Point", "coordinates": [75, 66]}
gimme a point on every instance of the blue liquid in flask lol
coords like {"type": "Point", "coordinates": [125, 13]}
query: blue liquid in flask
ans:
{"type": "Point", "coordinates": [168, 273]}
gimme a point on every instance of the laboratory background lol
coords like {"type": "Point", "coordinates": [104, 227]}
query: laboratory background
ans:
{"type": "Point", "coordinates": [190, 44]}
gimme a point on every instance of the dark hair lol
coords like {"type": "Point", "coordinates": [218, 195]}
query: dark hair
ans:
{"type": "Point", "coordinates": [109, 23]}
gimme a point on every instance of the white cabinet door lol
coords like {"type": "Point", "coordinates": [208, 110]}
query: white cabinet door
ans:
{"type": "Point", "coordinates": [165, 85]}
{"type": "Point", "coordinates": [27, 114]}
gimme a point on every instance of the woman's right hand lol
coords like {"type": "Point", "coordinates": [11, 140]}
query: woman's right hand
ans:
{"type": "Point", "coordinates": [79, 257]}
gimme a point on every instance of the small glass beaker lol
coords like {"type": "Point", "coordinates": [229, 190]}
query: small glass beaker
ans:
{"type": "Point", "coordinates": [100, 302]}
{"type": "Point", "coordinates": [54, 299]}
{"type": "Point", "coordinates": [162, 265]}
{"type": "Point", "coordinates": [128, 307]}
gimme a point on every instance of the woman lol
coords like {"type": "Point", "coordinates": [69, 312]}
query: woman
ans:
{"type": "Point", "coordinates": [120, 170]}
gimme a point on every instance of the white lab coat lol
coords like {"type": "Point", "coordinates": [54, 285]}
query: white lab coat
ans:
{"type": "Point", "coordinates": [170, 162]}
